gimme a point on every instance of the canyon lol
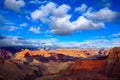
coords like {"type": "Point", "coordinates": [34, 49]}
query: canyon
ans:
{"type": "Point", "coordinates": [60, 64]}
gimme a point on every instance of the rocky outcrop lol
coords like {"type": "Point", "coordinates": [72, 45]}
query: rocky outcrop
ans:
{"type": "Point", "coordinates": [5, 54]}
{"type": "Point", "coordinates": [113, 63]}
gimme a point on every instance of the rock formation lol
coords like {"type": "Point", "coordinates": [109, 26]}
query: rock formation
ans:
{"type": "Point", "coordinates": [5, 54]}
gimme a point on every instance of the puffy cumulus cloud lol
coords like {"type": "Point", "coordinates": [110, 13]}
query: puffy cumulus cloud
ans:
{"type": "Point", "coordinates": [116, 34]}
{"type": "Point", "coordinates": [14, 4]}
{"type": "Point", "coordinates": [83, 23]}
{"type": "Point", "coordinates": [43, 12]}
{"type": "Point", "coordinates": [103, 15]}
{"type": "Point", "coordinates": [59, 20]}
{"type": "Point", "coordinates": [48, 9]}
{"type": "Point", "coordinates": [61, 26]}
{"type": "Point", "coordinates": [82, 8]}
{"type": "Point", "coordinates": [35, 30]}
{"type": "Point", "coordinates": [61, 11]}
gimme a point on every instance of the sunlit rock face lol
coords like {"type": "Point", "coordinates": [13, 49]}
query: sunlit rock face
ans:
{"type": "Point", "coordinates": [84, 53]}
{"type": "Point", "coordinates": [22, 53]}
{"type": "Point", "coordinates": [78, 53]}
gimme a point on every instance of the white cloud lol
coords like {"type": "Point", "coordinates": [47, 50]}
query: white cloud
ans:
{"type": "Point", "coordinates": [43, 12]}
{"type": "Point", "coordinates": [59, 20]}
{"type": "Point", "coordinates": [14, 4]}
{"type": "Point", "coordinates": [48, 33]}
{"type": "Point", "coordinates": [10, 41]}
{"type": "Point", "coordinates": [13, 28]}
{"type": "Point", "coordinates": [61, 11]}
{"type": "Point", "coordinates": [83, 23]}
{"type": "Point", "coordinates": [116, 35]}
{"type": "Point", "coordinates": [82, 8]}
{"type": "Point", "coordinates": [9, 28]}
{"type": "Point", "coordinates": [101, 37]}
{"type": "Point", "coordinates": [37, 2]}
{"type": "Point", "coordinates": [115, 42]}
{"type": "Point", "coordinates": [49, 10]}
{"type": "Point", "coordinates": [4, 21]}
{"type": "Point", "coordinates": [103, 15]}
{"type": "Point", "coordinates": [54, 43]}
{"type": "Point", "coordinates": [61, 26]}
{"type": "Point", "coordinates": [24, 24]}
{"type": "Point", "coordinates": [35, 30]}
{"type": "Point", "coordinates": [27, 17]}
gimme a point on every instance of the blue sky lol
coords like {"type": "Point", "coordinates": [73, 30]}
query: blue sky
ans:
{"type": "Point", "coordinates": [60, 23]}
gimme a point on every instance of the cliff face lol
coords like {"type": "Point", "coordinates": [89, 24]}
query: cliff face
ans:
{"type": "Point", "coordinates": [107, 69]}
{"type": "Point", "coordinates": [113, 63]}
{"type": "Point", "coordinates": [114, 53]}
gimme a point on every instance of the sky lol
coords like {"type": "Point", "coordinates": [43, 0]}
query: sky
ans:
{"type": "Point", "coordinates": [60, 23]}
